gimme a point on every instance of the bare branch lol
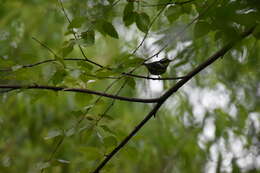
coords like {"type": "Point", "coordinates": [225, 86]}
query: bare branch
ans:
{"type": "Point", "coordinates": [53, 88]}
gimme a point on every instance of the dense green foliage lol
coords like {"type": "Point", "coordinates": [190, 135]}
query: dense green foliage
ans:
{"type": "Point", "coordinates": [210, 125]}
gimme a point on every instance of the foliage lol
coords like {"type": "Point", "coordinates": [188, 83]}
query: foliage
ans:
{"type": "Point", "coordinates": [211, 124]}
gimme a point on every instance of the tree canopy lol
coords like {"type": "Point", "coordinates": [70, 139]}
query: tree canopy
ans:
{"type": "Point", "coordinates": [76, 93]}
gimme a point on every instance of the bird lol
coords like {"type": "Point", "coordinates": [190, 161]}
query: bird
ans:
{"type": "Point", "coordinates": [158, 67]}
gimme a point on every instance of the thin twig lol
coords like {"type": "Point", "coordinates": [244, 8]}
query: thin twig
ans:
{"type": "Point", "coordinates": [168, 3]}
{"type": "Point", "coordinates": [97, 100]}
{"type": "Point", "coordinates": [87, 91]}
{"type": "Point", "coordinates": [55, 150]}
{"type": "Point", "coordinates": [114, 4]}
{"type": "Point", "coordinates": [76, 38]}
{"type": "Point", "coordinates": [112, 103]}
{"type": "Point", "coordinates": [45, 46]}
{"type": "Point", "coordinates": [102, 77]}
{"type": "Point", "coordinates": [149, 27]}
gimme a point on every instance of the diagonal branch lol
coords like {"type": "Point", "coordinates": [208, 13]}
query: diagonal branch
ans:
{"type": "Point", "coordinates": [58, 145]}
{"type": "Point", "coordinates": [45, 46]}
{"type": "Point", "coordinates": [87, 91]}
{"type": "Point", "coordinates": [149, 28]}
{"type": "Point", "coordinates": [171, 91]}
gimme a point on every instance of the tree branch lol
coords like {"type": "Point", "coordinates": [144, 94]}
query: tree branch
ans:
{"type": "Point", "coordinates": [110, 77]}
{"type": "Point", "coordinates": [169, 3]}
{"type": "Point", "coordinates": [87, 91]}
{"type": "Point", "coordinates": [171, 91]}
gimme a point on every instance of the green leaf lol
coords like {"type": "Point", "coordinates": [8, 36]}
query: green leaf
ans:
{"type": "Point", "coordinates": [63, 161]}
{"type": "Point", "coordinates": [109, 29]}
{"type": "Point", "coordinates": [107, 129]}
{"type": "Point", "coordinates": [133, 62]}
{"type": "Point", "coordinates": [110, 141]}
{"type": "Point", "coordinates": [222, 122]}
{"type": "Point", "coordinates": [53, 134]}
{"type": "Point", "coordinates": [128, 8]}
{"type": "Point", "coordinates": [218, 170]}
{"type": "Point", "coordinates": [186, 8]}
{"type": "Point", "coordinates": [60, 60]}
{"type": "Point", "coordinates": [68, 47]}
{"type": "Point", "coordinates": [85, 77]}
{"type": "Point", "coordinates": [107, 117]}
{"type": "Point", "coordinates": [77, 113]}
{"type": "Point", "coordinates": [69, 32]}
{"type": "Point", "coordinates": [129, 15]}
{"type": "Point", "coordinates": [201, 28]}
{"type": "Point", "coordinates": [142, 21]}
{"type": "Point", "coordinates": [6, 63]}
{"type": "Point", "coordinates": [77, 22]}
{"type": "Point", "coordinates": [16, 67]}
{"type": "Point", "coordinates": [173, 13]}
{"type": "Point", "coordinates": [235, 168]}
{"type": "Point", "coordinates": [91, 153]}
{"type": "Point", "coordinates": [42, 165]}
{"type": "Point", "coordinates": [83, 99]}
{"type": "Point", "coordinates": [58, 76]}
{"type": "Point", "coordinates": [256, 32]}
{"type": "Point", "coordinates": [242, 117]}
{"type": "Point", "coordinates": [131, 82]}
{"type": "Point", "coordinates": [85, 66]}
{"type": "Point", "coordinates": [87, 108]}
{"type": "Point", "coordinates": [104, 73]}
{"type": "Point", "coordinates": [88, 37]}
{"type": "Point", "coordinates": [70, 132]}
{"type": "Point", "coordinates": [111, 1]}
{"type": "Point", "coordinates": [90, 118]}
{"type": "Point", "coordinates": [129, 19]}
{"type": "Point", "coordinates": [131, 152]}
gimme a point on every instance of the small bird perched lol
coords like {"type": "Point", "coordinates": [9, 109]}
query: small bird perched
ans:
{"type": "Point", "coordinates": [158, 67]}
